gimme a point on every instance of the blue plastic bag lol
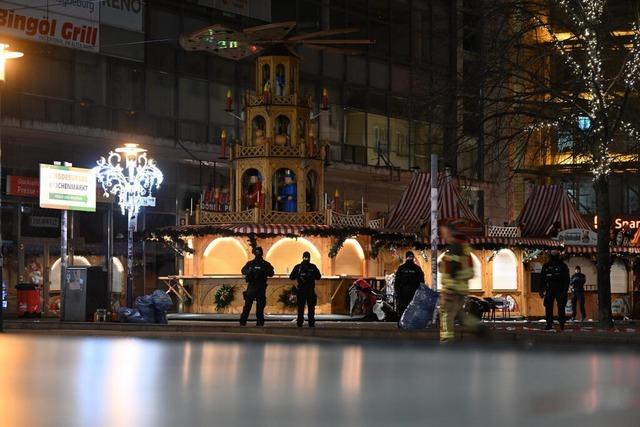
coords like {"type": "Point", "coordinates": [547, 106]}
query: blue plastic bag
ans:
{"type": "Point", "coordinates": [145, 305]}
{"type": "Point", "coordinates": [130, 315]}
{"type": "Point", "coordinates": [420, 310]}
{"type": "Point", "coordinates": [161, 300]}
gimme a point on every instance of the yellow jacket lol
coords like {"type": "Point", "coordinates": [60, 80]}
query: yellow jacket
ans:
{"type": "Point", "coordinates": [456, 268]}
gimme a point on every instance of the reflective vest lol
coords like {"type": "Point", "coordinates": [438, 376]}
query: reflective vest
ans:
{"type": "Point", "coordinates": [456, 268]}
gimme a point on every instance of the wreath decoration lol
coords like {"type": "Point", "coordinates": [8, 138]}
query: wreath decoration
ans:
{"type": "Point", "coordinates": [288, 297]}
{"type": "Point", "coordinates": [224, 296]}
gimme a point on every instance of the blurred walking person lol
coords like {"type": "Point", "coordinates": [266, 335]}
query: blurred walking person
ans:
{"type": "Point", "coordinates": [408, 277]}
{"type": "Point", "coordinates": [554, 288]}
{"type": "Point", "coordinates": [456, 269]}
{"type": "Point", "coordinates": [306, 275]}
{"type": "Point", "coordinates": [256, 273]}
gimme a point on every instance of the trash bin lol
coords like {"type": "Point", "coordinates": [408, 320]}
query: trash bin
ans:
{"type": "Point", "coordinates": [28, 300]}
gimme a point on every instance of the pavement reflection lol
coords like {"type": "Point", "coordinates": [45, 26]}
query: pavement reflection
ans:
{"type": "Point", "coordinates": [55, 381]}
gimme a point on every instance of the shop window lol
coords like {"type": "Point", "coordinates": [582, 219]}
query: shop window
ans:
{"type": "Point", "coordinates": [252, 193]}
{"type": "Point", "coordinates": [224, 255]}
{"type": "Point", "coordinates": [160, 93]}
{"type": "Point", "coordinates": [193, 99]}
{"type": "Point", "coordinates": [619, 278]}
{"type": "Point", "coordinates": [287, 252]}
{"type": "Point", "coordinates": [126, 86]}
{"type": "Point", "coordinates": [402, 147]}
{"type": "Point", "coordinates": [349, 260]}
{"type": "Point", "coordinates": [505, 270]}
{"type": "Point", "coordinates": [587, 267]}
{"type": "Point", "coordinates": [285, 191]}
{"type": "Point", "coordinates": [475, 284]}
{"type": "Point", "coordinates": [258, 130]}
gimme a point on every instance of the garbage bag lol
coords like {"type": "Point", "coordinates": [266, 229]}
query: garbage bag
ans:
{"type": "Point", "coordinates": [130, 315]}
{"type": "Point", "coordinates": [123, 313]}
{"type": "Point", "coordinates": [145, 305]}
{"type": "Point", "coordinates": [420, 310]}
{"type": "Point", "coordinates": [161, 300]}
{"type": "Point", "coordinates": [161, 316]}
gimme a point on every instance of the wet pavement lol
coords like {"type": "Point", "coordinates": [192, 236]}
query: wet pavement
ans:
{"type": "Point", "coordinates": [112, 381]}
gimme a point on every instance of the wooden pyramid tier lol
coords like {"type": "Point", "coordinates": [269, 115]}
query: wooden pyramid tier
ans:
{"type": "Point", "coordinates": [238, 44]}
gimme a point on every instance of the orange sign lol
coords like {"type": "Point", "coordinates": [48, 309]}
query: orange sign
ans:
{"type": "Point", "coordinates": [23, 186]}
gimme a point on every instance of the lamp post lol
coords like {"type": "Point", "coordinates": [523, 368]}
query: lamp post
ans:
{"type": "Point", "coordinates": [4, 55]}
{"type": "Point", "coordinates": [132, 183]}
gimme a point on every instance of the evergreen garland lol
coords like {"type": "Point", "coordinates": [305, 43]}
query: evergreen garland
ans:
{"type": "Point", "coordinates": [288, 297]}
{"type": "Point", "coordinates": [224, 296]}
{"type": "Point", "coordinates": [337, 245]}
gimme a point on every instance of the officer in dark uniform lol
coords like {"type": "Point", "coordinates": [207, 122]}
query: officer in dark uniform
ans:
{"type": "Point", "coordinates": [577, 285]}
{"type": "Point", "coordinates": [306, 275]}
{"type": "Point", "coordinates": [408, 277]}
{"type": "Point", "coordinates": [256, 273]}
{"type": "Point", "coordinates": [554, 288]}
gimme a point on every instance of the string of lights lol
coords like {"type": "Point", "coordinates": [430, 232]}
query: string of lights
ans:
{"type": "Point", "coordinates": [585, 17]}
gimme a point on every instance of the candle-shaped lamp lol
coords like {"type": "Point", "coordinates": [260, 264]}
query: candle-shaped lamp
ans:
{"type": "Point", "coordinates": [228, 104]}
{"type": "Point", "coordinates": [223, 144]}
{"type": "Point", "coordinates": [311, 143]}
{"type": "Point", "coordinates": [324, 101]}
{"type": "Point", "coordinates": [337, 206]}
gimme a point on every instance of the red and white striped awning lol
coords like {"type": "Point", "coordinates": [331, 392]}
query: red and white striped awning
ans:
{"type": "Point", "coordinates": [578, 250]}
{"type": "Point", "coordinates": [546, 205]}
{"type": "Point", "coordinates": [528, 242]}
{"type": "Point", "coordinates": [414, 209]}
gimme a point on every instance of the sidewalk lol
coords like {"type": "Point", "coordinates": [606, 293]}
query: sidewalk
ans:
{"type": "Point", "coordinates": [525, 334]}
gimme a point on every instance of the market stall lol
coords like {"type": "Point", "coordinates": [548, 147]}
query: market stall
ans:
{"type": "Point", "coordinates": [500, 254]}
{"type": "Point", "coordinates": [549, 212]}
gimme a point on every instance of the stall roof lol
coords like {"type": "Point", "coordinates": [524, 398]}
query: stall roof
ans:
{"type": "Point", "coordinates": [521, 242]}
{"type": "Point", "coordinates": [414, 208]}
{"type": "Point", "coordinates": [546, 205]}
{"type": "Point", "coordinates": [590, 249]}
{"type": "Point", "coordinates": [291, 230]}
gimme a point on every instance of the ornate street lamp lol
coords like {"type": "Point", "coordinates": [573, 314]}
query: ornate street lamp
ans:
{"type": "Point", "coordinates": [4, 55]}
{"type": "Point", "coordinates": [132, 184]}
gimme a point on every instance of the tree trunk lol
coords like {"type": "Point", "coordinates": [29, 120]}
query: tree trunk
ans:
{"type": "Point", "coordinates": [604, 251]}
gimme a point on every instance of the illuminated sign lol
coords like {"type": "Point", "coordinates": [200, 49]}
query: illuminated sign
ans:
{"type": "Point", "coordinates": [23, 186]}
{"type": "Point", "coordinates": [35, 24]}
{"type": "Point", "coordinates": [578, 236]}
{"type": "Point", "coordinates": [620, 222]}
{"type": "Point", "coordinates": [67, 188]}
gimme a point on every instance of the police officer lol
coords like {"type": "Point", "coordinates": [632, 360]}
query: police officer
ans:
{"type": "Point", "coordinates": [256, 273]}
{"type": "Point", "coordinates": [577, 286]}
{"type": "Point", "coordinates": [554, 288]}
{"type": "Point", "coordinates": [408, 277]}
{"type": "Point", "coordinates": [306, 275]}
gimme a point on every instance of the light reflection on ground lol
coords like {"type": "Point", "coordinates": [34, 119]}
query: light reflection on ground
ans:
{"type": "Point", "coordinates": [51, 381]}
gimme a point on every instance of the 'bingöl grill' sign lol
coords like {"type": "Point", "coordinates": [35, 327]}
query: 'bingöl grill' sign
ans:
{"type": "Point", "coordinates": [52, 29]}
